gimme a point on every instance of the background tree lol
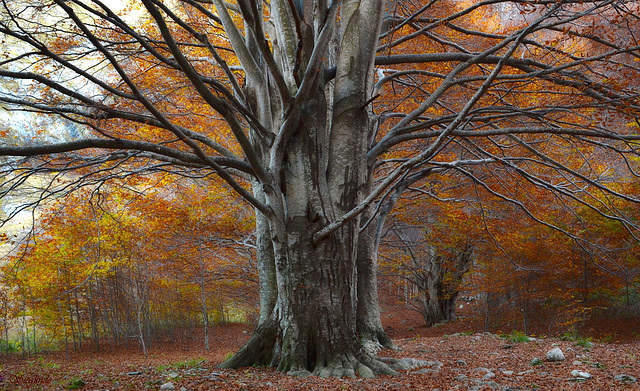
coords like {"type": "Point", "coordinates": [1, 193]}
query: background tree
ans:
{"type": "Point", "coordinates": [522, 276]}
{"type": "Point", "coordinates": [429, 247]}
{"type": "Point", "coordinates": [107, 268]}
{"type": "Point", "coordinates": [316, 115]}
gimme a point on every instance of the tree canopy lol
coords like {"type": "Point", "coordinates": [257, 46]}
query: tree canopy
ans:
{"type": "Point", "coordinates": [321, 115]}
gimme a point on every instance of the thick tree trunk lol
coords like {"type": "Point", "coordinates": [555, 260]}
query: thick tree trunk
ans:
{"type": "Point", "coordinates": [313, 324]}
{"type": "Point", "coordinates": [368, 322]}
{"type": "Point", "coordinates": [313, 327]}
{"type": "Point", "coordinates": [317, 305]}
{"type": "Point", "coordinates": [266, 264]}
{"type": "Point", "coordinates": [370, 329]}
{"type": "Point", "coordinates": [317, 173]}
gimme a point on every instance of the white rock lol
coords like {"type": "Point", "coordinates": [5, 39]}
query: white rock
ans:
{"type": "Point", "coordinates": [168, 386]}
{"type": "Point", "coordinates": [577, 362]}
{"type": "Point", "coordinates": [555, 354]}
{"type": "Point", "coordinates": [580, 374]}
{"type": "Point", "coordinates": [625, 378]}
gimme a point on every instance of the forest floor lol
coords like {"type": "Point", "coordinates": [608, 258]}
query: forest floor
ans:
{"type": "Point", "coordinates": [458, 357]}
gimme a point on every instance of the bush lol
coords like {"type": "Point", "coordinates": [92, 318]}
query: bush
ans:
{"type": "Point", "coordinates": [74, 384]}
{"type": "Point", "coordinates": [572, 336]}
{"type": "Point", "coordinates": [517, 337]}
{"type": "Point", "coordinates": [7, 347]}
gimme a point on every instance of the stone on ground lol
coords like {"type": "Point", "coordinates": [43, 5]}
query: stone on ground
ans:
{"type": "Point", "coordinates": [555, 354]}
{"type": "Point", "coordinates": [580, 374]}
{"type": "Point", "coordinates": [625, 378]}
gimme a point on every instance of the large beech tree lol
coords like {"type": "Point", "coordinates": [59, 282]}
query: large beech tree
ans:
{"type": "Point", "coordinates": [320, 114]}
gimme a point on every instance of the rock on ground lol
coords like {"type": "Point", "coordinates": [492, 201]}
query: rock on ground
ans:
{"type": "Point", "coordinates": [555, 354]}
{"type": "Point", "coordinates": [580, 374]}
{"type": "Point", "coordinates": [625, 378]}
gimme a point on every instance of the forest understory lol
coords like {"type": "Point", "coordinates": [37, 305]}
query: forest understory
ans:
{"type": "Point", "coordinates": [457, 356]}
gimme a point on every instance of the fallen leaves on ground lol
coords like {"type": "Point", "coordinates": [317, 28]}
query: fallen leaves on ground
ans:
{"type": "Point", "coordinates": [459, 361]}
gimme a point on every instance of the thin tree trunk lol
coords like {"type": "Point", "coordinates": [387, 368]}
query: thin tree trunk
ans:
{"type": "Point", "coordinates": [487, 315]}
{"type": "Point", "coordinates": [203, 298]}
{"type": "Point", "coordinates": [35, 345]}
{"type": "Point", "coordinates": [139, 303]}
{"type": "Point", "coordinates": [5, 327]}
{"type": "Point", "coordinates": [64, 330]}
{"type": "Point", "coordinates": [147, 318]}
{"type": "Point", "coordinates": [92, 317]}
{"type": "Point", "coordinates": [141, 329]}
{"type": "Point", "coordinates": [24, 330]}
{"type": "Point", "coordinates": [525, 316]}
{"type": "Point", "coordinates": [78, 319]}
{"type": "Point", "coordinates": [71, 323]}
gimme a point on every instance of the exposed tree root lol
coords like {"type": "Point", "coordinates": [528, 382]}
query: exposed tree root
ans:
{"type": "Point", "coordinates": [405, 364]}
{"type": "Point", "coordinates": [259, 350]}
{"type": "Point", "coordinates": [364, 366]}
{"type": "Point", "coordinates": [263, 349]}
{"type": "Point", "coordinates": [376, 340]}
{"type": "Point", "coordinates": [348, 365]}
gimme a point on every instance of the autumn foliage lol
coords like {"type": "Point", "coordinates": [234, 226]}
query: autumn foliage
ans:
{"type": "Point", "coordinates": [525, 209]}
{"type": "Point", "coordinates": [130, 262]}
{"type": "Point", "coordinates": [537, 265]}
